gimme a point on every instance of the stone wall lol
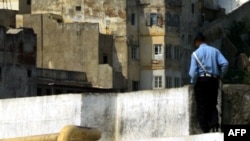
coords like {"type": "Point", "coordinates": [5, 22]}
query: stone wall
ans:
{"type": "Point", "coordinates": [236, 104]}
{"type": "Point", "coordinates": [125, 116]}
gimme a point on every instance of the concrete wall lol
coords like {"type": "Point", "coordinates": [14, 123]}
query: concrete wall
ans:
{"type": "Point", "coordinates": [127, 116]}
{"type": "Point", "coordinates": [145, 115]}
{"type": "Point", "coordinates": [7, 17]}
{"type": "Point", "coordinates": [70, 46]}
{"type": "Point", "coordinates": [111, 17]}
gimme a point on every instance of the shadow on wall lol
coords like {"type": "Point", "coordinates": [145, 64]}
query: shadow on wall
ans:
{"type": "Point", "coordinates": [119, 80]}
{"type": "Point", "coordinates": [17, 62]}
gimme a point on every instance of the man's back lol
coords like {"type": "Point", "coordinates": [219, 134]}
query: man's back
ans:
{"type": "Point", "coordinates": [211, 58]}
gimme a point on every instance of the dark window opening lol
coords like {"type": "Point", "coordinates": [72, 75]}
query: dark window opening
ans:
{"type": "Point", "coordinates": [135, 85]}
{"type": "Point", "coordinates": [105, 59]}
{"type": "Point", "coordinates": [168, 82]}
{"type": "Point", "coordinates": [169, 51]}
{"type": "Point", "coordinates": [168, 19]}
{"type": "Point", "coordinates": [58, 91]}
{"type": "Point", "coordinates": [39, 91]}
{"type": "Point", "coordinates": [0, 73]}
{"type": "Point", "coordinates": [133, 19]}
{"type": "Point", "coordinates": [192, 7]}
{"type": "Point", "coordinates": [176, 21]}
{"type": "Point", "coordinates": [78, 8]}
{"type": "Point", "coordinates": [28, 2]}
{"type": "Point", "coordinates": [48, 92]}
{"type": "Point", "coordinates": [29, 73]}
{"type": "Point", "coordinates": [135, 52]}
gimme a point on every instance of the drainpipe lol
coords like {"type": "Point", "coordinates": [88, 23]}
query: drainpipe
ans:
{"type": "Point", "coordinates": [68, 133]}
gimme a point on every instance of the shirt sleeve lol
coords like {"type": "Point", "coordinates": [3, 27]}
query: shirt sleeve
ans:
{"type": "Point", "coordinates": [223, 63]}
{"type": "Point", "coordinates": [193, 71]}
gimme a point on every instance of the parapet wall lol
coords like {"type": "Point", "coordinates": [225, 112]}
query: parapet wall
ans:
{"type": "Point", "coordinates": [120, 117]}
{"type": "Point", "coordinates": [137, 115]}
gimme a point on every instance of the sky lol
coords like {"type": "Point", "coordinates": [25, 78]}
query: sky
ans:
{"type": "Point", "coordinates": [230, 5]}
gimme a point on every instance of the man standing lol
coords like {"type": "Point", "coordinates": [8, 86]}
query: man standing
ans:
{"type": "Point", "coordinates": [208, 66]}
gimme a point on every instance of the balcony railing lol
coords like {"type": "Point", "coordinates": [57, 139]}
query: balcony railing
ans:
{"type": "Point", "coordinates": [61, 75]}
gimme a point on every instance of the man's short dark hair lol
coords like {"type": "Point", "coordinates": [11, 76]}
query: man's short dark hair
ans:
{"type": "Point", "coordinates": [199, 37]}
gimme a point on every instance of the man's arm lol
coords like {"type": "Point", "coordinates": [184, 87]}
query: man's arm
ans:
{"type": "Point", "coordinates": [223, 63]}
{"type": "Point", "coordinates": [193, 71]}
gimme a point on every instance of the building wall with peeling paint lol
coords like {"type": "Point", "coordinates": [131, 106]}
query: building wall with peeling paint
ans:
{"type": "Point", "coordinates": [135, 37]}
{"type": "Point", "coordinates": [109, 14]}
{"type": "Point", "coordinates": [73, 47]}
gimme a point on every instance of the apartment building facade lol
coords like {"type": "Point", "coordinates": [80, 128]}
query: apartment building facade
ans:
{"type": "Point", "coordinates": [146, 34]}
{"type": "Point", "coordinates": [152, 40]}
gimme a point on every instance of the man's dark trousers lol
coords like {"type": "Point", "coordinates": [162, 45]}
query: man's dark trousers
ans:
{"type": "Point", "coordinates": [206, 93]}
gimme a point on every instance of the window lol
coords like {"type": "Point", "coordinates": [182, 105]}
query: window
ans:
{"type": "Point", "coordinates": [176, 20]}
{"type": "Point", "coordinates": [58, 91]}
{"type": "Point", "coordinates": [177, 53]}
{"type": "Point", "coordinates": [135, 52]}
{"type": "Point", "coordinates": [192, 8]}
{"type": "Point", "coordinates": [135, 85]}
{"type": "Point", "coordinates": [158, 49]}
{"type": "Point", "coordinates": [78, 8]}
{"type": "Point", "coordinates": [158, 82]}
{"type": "Point", "coordinates": [154, 19]}
{"type": "Point", "coordinates": [29, 72]}
{"type": "Point", "coordinates": [168, 82]}
{"type": "Point", "coordinates": [168, 19]}
{"type": "Point", "coordinates": [105, 59]}
{"type": "Point", "coordinates": [0, 73]}
{"type": "Point", "coordinates": [48, 92]}
{"type": "Point", "coordinates": [176, 82]}
{"type": "Point", "coordinates": [133, 19]}
{"type": "Point", "coordinates": [28, 2]}
{"type": "Point", "coordinates": [169, 51]}
{"type": "Point", "coordinates": [39, 91]}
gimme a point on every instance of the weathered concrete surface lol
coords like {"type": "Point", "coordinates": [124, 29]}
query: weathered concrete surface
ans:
{"type": "Point", "coordinates": [38, 115]}
{"type": "Point", "coordinates": [17, 62]}
{"type": "Point", "coordinates": [128, 116]}
{"type": "Point", "coordinates": [236, 104]}
{"type": "Point", "coordinates": [125, 116]}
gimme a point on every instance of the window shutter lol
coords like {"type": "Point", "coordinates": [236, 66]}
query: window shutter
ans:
{"type": "Point", "coordinates": [148, 20]}
{"type": "Point", "coordinates": [159, 20]}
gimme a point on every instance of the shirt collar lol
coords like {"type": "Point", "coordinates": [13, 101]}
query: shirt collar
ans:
{"type": "Point", "coordinates": [202, 45]}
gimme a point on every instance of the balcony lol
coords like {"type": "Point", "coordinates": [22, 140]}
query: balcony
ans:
{"type": "Point", "coordinates": [61, 75]}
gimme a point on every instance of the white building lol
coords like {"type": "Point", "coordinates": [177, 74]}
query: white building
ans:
{"type": "Point", "coordinates": [231, 5]}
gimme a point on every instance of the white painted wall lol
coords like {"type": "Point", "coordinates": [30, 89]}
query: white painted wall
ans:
{"type": "Point", "coordinates": [38, 115]}
{"type": "Point", "coordinates": [120, 117]}
{"type": "Point", "coordinates": [231, 5]}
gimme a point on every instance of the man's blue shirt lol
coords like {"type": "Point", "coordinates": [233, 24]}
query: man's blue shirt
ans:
{"type": "Point", "coordinates": [211, 58]}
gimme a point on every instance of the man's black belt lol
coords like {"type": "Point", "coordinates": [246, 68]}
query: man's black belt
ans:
{"type": "Point", "coordinates": [209, 75]}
